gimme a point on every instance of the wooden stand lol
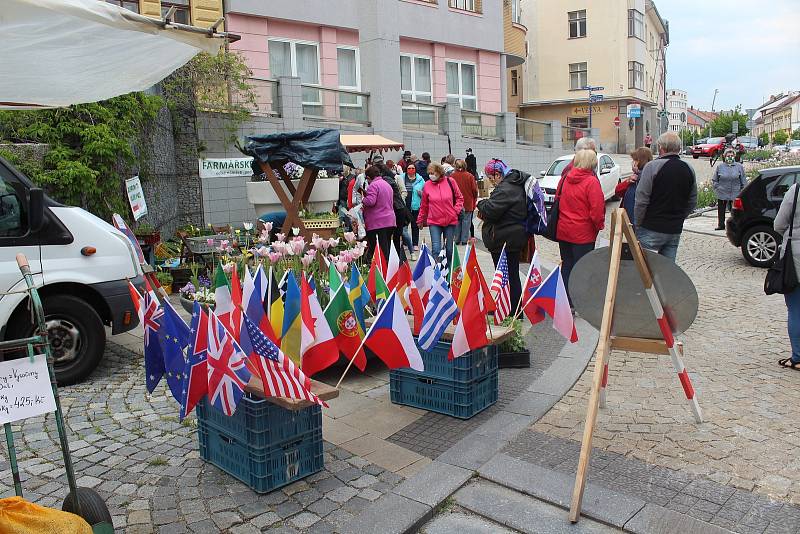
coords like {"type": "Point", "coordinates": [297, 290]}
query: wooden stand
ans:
{"type": "Point", "coordinates": [300, 194]}
{"type": "Point", "coordinates": [320, 389]}
{"type": "Point", "coordinates": [621, 227]}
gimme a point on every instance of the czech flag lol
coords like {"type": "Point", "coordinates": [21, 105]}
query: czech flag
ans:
{"type": "Point", "coordinates": [552, 298]}
{"type": "Point", "coordinates": [390, 337]}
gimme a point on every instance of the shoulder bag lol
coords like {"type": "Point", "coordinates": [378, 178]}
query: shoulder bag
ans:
{"type": "Point", "coordinates": [782, 276]}
{"type": "Point", "coordinates": [553, 215]}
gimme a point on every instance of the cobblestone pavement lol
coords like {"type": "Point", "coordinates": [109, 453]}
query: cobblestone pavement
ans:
{"type": "Point", "coordinates": [130, 447]}
{"type": "Point", "coordinates": [752, 424]}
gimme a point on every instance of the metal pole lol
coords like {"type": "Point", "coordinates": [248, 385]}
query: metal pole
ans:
{"type": "Point", "coordinates": [590, 109]}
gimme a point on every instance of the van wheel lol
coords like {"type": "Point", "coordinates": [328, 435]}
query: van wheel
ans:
{"type": "Point", "coordinates": [76, 334]}
{"type": "Point", "coordinates": [760, 246]}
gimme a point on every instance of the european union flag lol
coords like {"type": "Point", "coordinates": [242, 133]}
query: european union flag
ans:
{"type": "Point", "coordinates": [174, 336]}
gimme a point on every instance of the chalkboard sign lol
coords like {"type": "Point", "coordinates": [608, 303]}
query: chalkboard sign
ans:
{"type": "Point", "coordinates": [25, 389]}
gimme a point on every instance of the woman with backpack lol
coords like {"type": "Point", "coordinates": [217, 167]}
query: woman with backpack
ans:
{"type": "Point", "coordinates": [439, 209]}
{"type": "Point", "coordinates": [504, 214]}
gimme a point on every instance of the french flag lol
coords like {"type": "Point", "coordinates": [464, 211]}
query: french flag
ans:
{"type": "Point", "coordinates": [390, 337]}
{"type": "Point", "coordinates": [423, 274]}
{"type": "Point", "coordinates": [552, 298]}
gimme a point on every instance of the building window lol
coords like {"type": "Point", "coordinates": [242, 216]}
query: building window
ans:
{"type": "Point", "coordinates": [577, 24]}
{"type": "Point", "coordinates": [132, 5]}
{"type": "Point", "coordinates": [514, 82]}
{"type": "Point", "coordinates": [461, 84]}
{"type": "Point", "coordinates": [635, 24]}
{"type": "Point", "coordinates": [635, 75]}
{"type": "Point", "coordinates": [578, 78]}
{"type": "Point", "coordinates": [516, 14]}
{"type": "Point", "coordinates": [349, 74]}
{"type": "Point", "coordinates": [466, 5]}
{"type": "Point", "coordinates": [182, 15]}
{"type": "Point", "coordinates": [415, 78]}
{"type": "Point", "coordinates": [296, 58]}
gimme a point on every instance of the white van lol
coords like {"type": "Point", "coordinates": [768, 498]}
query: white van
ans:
{"type": "Point", "coordinates": [81, 266]}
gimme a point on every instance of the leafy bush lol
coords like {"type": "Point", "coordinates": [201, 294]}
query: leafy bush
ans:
{"type": "Point", "coordinates": [780, 137]}
{"type": "Point", "coordinates": [757, 155]}
{"type": "Point", "coordinates": [705, 195]}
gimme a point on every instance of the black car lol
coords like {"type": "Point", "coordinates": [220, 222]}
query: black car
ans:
{"type": "Point", "coordinates": [754, 210]}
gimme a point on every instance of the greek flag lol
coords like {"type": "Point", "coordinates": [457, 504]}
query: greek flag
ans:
{"type": "Point", "coordinates": [440, 312]}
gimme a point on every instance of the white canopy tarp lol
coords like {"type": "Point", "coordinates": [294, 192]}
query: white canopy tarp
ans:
{"type": "Point", "coordinates": [57, 53]}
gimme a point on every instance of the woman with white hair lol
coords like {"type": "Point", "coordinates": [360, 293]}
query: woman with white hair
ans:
{"type": "Point", "coordinates": [728, 181]}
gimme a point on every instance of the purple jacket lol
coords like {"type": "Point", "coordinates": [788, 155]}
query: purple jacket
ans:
{"type": "Point", "coordinates": [378, 205]}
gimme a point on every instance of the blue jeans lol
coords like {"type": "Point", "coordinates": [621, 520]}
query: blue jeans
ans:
{"type": "Point", "coordinates": [464, 223]}
{"type": "Point", "coordinates": [442, 236]}
{"type": "Point", "coordinates": [664, 244]}
{"type": "Point", "coordinates": [793, 305]}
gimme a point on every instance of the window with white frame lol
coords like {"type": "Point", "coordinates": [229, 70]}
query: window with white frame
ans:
{"type": "Point", "coordinates": [461, 84]}
{"type": "Point", "coordinates": [467, 5]}
{"type": "Point", "coordinates": [578, 75]}
{"type": "Point", "coordinates": [635, 75]}
{"type": "Point", "coordinates": [636, 24]}
{"type": "Point", "coordinates": [577, 23]}
{"type": "Point", "coordinates": [415, 78]}
{"type": "Point", "coordinates": [349, 70]}
{"type": "Point", "coordinates": [516, 14]}
{"type": "Point", "coordinates": [296, 58]}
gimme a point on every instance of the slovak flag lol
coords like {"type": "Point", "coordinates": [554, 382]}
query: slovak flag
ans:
{"type": "Point", "coordinates": [227, 367]}
{"type": "Point", "coordinates": [534, 279]}
{"type": "Point", "coordinates": [552, 298]}
{"type": "Point", "coordinates": [390, 337]}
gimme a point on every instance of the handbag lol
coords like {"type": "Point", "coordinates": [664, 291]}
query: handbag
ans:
{"type": "Point", "coordinates": [552, 217]}
{"type": "Point", "coordinates": [782, 276]}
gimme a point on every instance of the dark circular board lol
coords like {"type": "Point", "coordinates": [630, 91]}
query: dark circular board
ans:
{"type": "Point", "coordinates": [633, 316]}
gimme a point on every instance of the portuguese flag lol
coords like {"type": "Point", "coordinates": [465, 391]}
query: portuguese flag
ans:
{"type": "Point", "coordinates": [345, 327]}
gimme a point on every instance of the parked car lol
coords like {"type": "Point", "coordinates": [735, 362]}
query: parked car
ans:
{"type": "Point", "coordinates": [780, 148]}
{"type": "Point", "coordinates": [793, 147]}
{"type": "Point", "coordinates": [749, 142]}
{"type": "Point", "coordinates": [709, 148]}
{"type": "Point", "coordinates": [607, 171]}
{"type": "Point", "coordinates": [754, 210]}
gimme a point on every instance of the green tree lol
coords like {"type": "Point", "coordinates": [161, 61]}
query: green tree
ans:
{"type": "Point", "coordinates": [796, 135]}
{"type": "Point", "coordinates": [688, 137]}
{"type": "Point", "coordinates": [780, 137]}
{"type": "Point", "coordinates": [763, 139]}
{"type": "Point", "coordinates": [721, 125]}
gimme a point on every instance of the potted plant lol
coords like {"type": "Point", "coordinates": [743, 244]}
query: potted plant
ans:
{"type": "Point", "coordinates": [165, 279]}
{"type": "Point", "coordinates": [147, 235]}
{"type": "Point", "coordinates": [198, 289]}
{"type": "Point", "coordinates": [513, 352]}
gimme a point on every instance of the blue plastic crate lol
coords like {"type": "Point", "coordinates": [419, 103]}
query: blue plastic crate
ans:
{"type": "Point", "coordinates": [473, 365]}
{"type": "Point", "coordinates": [443, 396]}
{"type": "Point", "coordinates": [258, 422]}
{"type": "Point", "coordinates": [263, 468]}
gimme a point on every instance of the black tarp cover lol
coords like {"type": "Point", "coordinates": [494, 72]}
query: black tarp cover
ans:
{"type": "Point", "coordinates": [319, 149]}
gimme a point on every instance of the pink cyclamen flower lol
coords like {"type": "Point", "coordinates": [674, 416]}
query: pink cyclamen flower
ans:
{"type": "Point", "coordinates": [350, 237]}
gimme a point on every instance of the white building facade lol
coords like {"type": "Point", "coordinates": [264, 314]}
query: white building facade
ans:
{"type": "Point", "coordinates": [676, 107]}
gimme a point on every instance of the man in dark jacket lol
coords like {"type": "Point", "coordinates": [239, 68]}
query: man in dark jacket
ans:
{"type": "Point", "coordinates": [472, 163]}
{"type": "Point", "coordinates": [503, 215]}
{"type": "Point", "coordinates": [666, 194]}
{"type": "Point", "coordinates": [422, 166]}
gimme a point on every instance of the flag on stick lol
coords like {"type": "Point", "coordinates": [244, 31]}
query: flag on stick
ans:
{"type": "Point", "coordinates": [423, 273]}
{"type": "Point", "coordinates": [290, 335]}
{"type": "Point", "coordinates": [346, 329]}
{"type": "Point", "coordinates": [318, 349]}
{"type": "Point", "coordinates": [274, 306]}
{"type": "Point", "coordinates": [551, 296]}
{"type": "Point", "coordinates": [195, 373]}
{"type": "Point", "coordinates": [390, 337]}
{"type": "Point", "coordinates": [532, 282]}
{"type": "Point", "coordinates": [153, 353]}
{"type": "Point", "coordinates": [378, 266]}
{"type": "Point", "coordinates": [440, 312]}
{"type": "Point", "coordinates": [501, 289]}
{"type": "Point", "coordinates": [227, 370]}
{"type": "Point", "coordinates": [358, 295]}
{"type": "Point", "coordinates": [174, 336]}
{"type": "Point", "coordinates": [470, 331]}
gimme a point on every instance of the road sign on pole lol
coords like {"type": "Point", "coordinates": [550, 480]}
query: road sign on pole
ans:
{"type": "Point", "coordinates": [616, 121]}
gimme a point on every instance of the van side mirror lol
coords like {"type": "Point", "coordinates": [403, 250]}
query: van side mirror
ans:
{"type": "Point", "coordinates": [35, 209]}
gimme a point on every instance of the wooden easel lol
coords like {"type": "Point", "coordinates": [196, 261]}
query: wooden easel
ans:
{"type": "Point", "coordinates": [300, 195]}
{"type": "Point", "coordinates": [621, 227]}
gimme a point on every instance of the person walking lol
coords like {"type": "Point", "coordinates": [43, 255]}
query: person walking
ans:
{"type": "Point", "coordinates": [422, 165]}
{"type": "Point", "coordinates": [582, 212]}
{"type": "Point", "coordinates": [665, 195]}
{"type": "Point", "coordinates": [378, 208]}
{"type": "Point", "coordinates": [783, 223]}
{"type": "Point", "coordinates": [469, 190]}
{"type": "Point", "coordinates": [728, 181]}
{"type": "Point", "coordinates": [472, 163]}
{"type": "Point", "coordinates": [648, 140]}
{"type": "Point", "coordinates": [503, 215]}
{"type": "Point", "coordinates": [413, 184]}
{"type": "Point", "coordinates": [440, 205]}
{"type": "Point", "coordinates": [626, 189]}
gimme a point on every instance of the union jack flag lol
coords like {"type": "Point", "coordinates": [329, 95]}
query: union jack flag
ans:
{"type": "Point", "coordinates": [501, 289]}
{"type": "Point", "coordinates": [279, 375]}
{"type": "Point", "coordinates": [227, 367]}
{"type": "Point", "coordinates": [153, 353]}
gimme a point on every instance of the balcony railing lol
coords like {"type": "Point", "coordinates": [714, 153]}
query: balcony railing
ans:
{"type": "Point", "coordinates": [335, 105]}
{"type": "Point", "coordinates": [481, 125]}
{"type": "Point", "coordinates": [262, 99]}
{"type": "Point", "coordinates": [569, 135]}
{"type": "Point", "coordinates": [530, 132]}
{"type": "Point", "coordinates": [422, 116]}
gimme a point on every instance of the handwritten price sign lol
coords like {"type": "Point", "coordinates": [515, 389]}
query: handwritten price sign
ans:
{"type": "Point", "coordinates": [25, 389]}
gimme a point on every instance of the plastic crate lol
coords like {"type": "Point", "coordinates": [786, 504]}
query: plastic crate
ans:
{"type": "Point", "coordinates": [263, 469]}
{"type": "Point", "coordinates": [443, 396]}
{"type": "Point", "coordinates": [260, 423]}
{"type": "Point", "coordinates": [473, 365]}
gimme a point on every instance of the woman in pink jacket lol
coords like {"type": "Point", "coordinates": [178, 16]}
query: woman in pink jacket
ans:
{"type": "Point", "coordinates": [378, 212]}
{"type": "Point", "coordinates": [442, 202]}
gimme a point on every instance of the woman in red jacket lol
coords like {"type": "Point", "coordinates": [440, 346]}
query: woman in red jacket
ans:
{"type": "Point", "coordinates": [582, 212]}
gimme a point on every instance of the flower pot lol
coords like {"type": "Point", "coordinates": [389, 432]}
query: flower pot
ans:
{"type": "Point", "coordinates": [514, 360]}
{"type": "Point", "coordinates": [188, 305]}
{"type": "Point", "coordinates": [324, 193]}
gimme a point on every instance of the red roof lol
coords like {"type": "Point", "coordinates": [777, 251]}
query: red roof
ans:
{"type": "Point", "coordinates": [691, 121]}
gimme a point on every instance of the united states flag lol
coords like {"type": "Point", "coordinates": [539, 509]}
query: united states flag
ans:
{"type": "Point", "coordinates": [501, 289]}
{"type": "Point", "coordinates": [279, 375]}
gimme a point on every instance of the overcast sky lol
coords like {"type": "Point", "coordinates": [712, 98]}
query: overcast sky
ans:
{"type": "Point", "coordinates": [747, 49]}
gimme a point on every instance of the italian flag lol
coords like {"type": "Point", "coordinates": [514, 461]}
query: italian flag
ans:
{"type": "Point", "coordinates": [222, 296]}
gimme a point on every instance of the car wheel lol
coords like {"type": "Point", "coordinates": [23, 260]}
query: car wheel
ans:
{"type": "Point", "coordinates": [76, 334]}
{"type": "Point", "coordinates": [760, 246]}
